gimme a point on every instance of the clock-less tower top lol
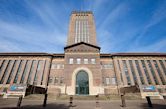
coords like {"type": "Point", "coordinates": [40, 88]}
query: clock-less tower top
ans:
{"type": "Point", "coordinates": [82, 28]}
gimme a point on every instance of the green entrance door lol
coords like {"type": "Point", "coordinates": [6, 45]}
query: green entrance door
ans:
{"type": "Point", "coordinates": [82, 83]}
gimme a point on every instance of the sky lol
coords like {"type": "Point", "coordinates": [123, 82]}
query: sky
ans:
{"type": "Point", "coordinates": [121, 25]}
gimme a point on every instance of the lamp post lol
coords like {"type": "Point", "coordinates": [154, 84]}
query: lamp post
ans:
{"type": "Point", "coordinates": [46, 95]}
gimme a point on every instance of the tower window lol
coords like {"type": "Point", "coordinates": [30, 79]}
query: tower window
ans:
{"type": "Point", "coordinates": [93, 61]}
{"type": "Point", "coordinates": [71, 61]}
{"type": "Point", "coordinates": [85, 61]}
{"type": "Point", "coordinates": [78, 61]}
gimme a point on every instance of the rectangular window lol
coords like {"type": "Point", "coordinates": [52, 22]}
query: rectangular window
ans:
{"type": "Point", "coordinates": [18, 72]}
{"type": "Point", "coordinates": [139, 72]}
{"type": "Point", "coordinates": [78, 61]}
{"type": "Point", "coordinates": [12, 71]}
{"type": "Point", "coordinates": [93, 61]}
{"type": "Point", "coordinates": [61, 80]}
{"type": "Point", "coordinates": [132, 71]}
{"type": "Point", "coordinates": [56, 80]}
{"type": "Point", "coordinates": [71, 61]}
{"type": "Point", "coordinates": [126, 72]}
{"type": "Point", "coordinates": [85, 61]}
{"type": "Point", "coordinates": [31, 71]}
{"type": "Point", "coordinates": [107, 80]}
{"type": "Point", "coordinates": [37, 72]}
{"type": "Point", "coordinates": [6, 71]}
{"type": "Point", "coordinates": [162, 65]}
{"type": "Point", "coordinates": [50, 80]}
{"type": "Point", "coordinates": [43, 72]}
{"type": "Point", "coordinates": [146, 71]}
{"type": "Point", "coordinates": [113, 80]}
{"type": "Point", "coordinates": [159, 72]}
{"type": "Point", "coordinates": [152, 71]}
{"type": "Point", "coordinates": [25, 71]}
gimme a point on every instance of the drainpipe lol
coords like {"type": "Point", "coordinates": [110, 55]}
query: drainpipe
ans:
{"type": "Point", "coordinates": [46, 90]}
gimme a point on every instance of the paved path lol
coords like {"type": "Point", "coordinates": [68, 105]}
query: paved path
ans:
{"type": "Point", "coordinates": [81, 104]}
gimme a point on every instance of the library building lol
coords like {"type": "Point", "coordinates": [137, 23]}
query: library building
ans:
{"type": "Point", "coordinates": [82, 69]}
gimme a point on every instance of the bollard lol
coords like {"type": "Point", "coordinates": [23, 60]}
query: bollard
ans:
{"type": "Point", "coordinates": [149, 101]}
{"type": "Point", "coordinates": [123, 100]}
{"type": "Point", "coordinates": [19, 101]}
{"type": "Point", "coordinates": [45, 100]}
{"type": "Point", "coordinates": [97, 101]}
{"type": "Point", "coordinates": [71, 101]}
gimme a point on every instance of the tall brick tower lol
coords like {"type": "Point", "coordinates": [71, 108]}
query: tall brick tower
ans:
{"type": "Point", "coordinates": [82, 71]}
{"type": "Point", "coordinates": [82, 28]}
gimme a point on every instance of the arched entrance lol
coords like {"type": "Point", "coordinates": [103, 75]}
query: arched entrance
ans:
{"type": "Point", "coordinates": [82, 83]}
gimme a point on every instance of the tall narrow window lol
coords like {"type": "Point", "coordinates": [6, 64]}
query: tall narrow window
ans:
{"type": "Point", "coordinates": [162, 65]}
{"type": "Point", "coordinates": [18, 72]}
{"type": "Point", "coordinates": [43, 72]}
{"type": "Point", "coordinates": [6, 71]}
{"type": "Point", "coordinates": [126, 72]}
{"type": "Point", "coordinates": [152, 71]}
{"type": "Point", "coordinates": [31, 71]}
{"type": "Point", "coordinates": [139, 72]}
{"type": "Point", "coordinates": [25, 71]}
{"type": "Point", "coordinates": [159, 72]}
{"type": "Point", "coordinates": [12, 71]}
{"type": "Point", "coordinates": [132, 71]}
{"type": "Point", "coordinates": [146, 71]}
{"type": "Point", "coordinates": [3, 65]}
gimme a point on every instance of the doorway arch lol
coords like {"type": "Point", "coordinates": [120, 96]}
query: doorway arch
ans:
{"type": "Point", "coordinates": [82, 83]}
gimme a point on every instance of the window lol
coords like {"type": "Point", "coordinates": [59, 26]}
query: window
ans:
{"type": "Point", "coordinates": [12, 72]}
{"type": "Point", "coordinates": [107, 66]}
{"type": "Point", "coordinates": [132, 70]}
{"type": "Point", "coordinates": [18, 72]}
{"type": "Point", "coordinates": [113, 80]}
{"type": "Point", "coordinates": [71, 61]}
{"type": "Point", "coordinates": [159, 72]}
{"type": "Point", "coordinates": [152, 71]}
{"type": "Point", "coordinates": [6, 71]}
{"type": "Point", "coordinates": [139, 72]}
{"type": "Point", "coordinates": [85, 61]}
{"type": "Point", "coordinates": [126, 72]}
{"type": "Point", "coordinates": [93, 61]}
{"type": "Point", "coordinates": [162, 65]}
{"type": "Point", "coordinates": [61, 80]}
{"type": "Point", "coordinates": [56, 80]}
{"type": "Point", "coordinates": [107, 80]}
{"type": "Point", "coordinates": [50, 80]}
{"type": "Point", "coordinates": [78, 61]}
{"type": "Point", "coordinates": [146, 72]}
{"type": "Point", "coordinates": [57, 66]}
{"type": "Point", "coordinates": [25, 71]}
